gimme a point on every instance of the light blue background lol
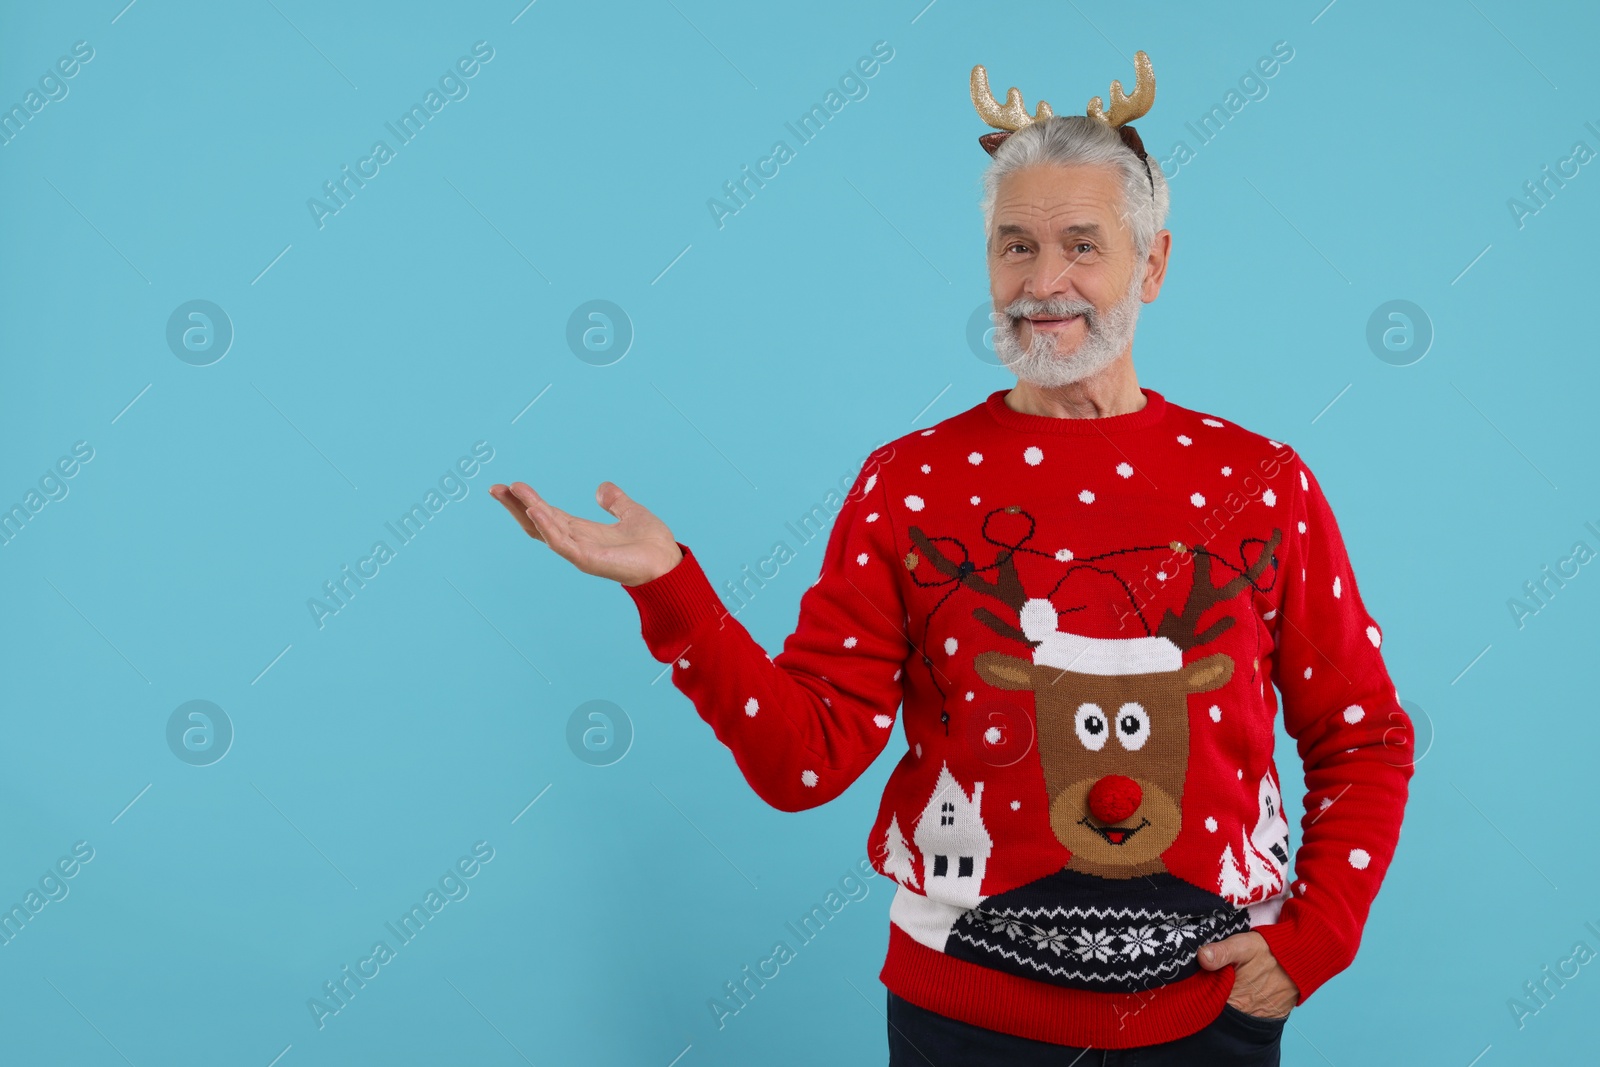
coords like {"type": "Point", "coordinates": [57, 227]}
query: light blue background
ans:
{"type": "Point", "coordinates": [770, 355]}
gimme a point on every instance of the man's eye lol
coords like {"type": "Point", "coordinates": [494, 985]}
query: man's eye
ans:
{"type": "Point", "coordinates": [1083, 248]}
{"type": "Point", "coordinates": [1016, 247]}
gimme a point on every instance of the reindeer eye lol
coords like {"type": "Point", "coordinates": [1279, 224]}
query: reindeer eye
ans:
{"type": "Point", "coordinates": [1133, 726]}
{"type": "Point", "coordinates": [1091, 723]}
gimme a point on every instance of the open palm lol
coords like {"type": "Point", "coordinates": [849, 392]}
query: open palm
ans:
{"type": "Point", "coordinates": [633, 550]}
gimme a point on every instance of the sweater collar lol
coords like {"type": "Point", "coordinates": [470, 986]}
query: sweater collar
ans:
{"type": "Point", "coordinates": [1151, 414]}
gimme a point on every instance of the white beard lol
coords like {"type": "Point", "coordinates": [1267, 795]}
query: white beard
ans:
{"type": "Point", "coordinates": [1041, 364]}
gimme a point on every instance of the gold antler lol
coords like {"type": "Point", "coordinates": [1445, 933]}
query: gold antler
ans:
{"type": "Point", "coordinates": [1013, 116]}
{"type": "Point", "coordinates": [1125, 109]}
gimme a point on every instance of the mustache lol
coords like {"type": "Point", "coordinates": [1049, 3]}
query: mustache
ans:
{"type": "Point", "coordinates": [1025, 307]}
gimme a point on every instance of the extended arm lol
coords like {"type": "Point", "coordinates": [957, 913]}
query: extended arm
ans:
{"type": "Point", "coordinates": [805, 724]}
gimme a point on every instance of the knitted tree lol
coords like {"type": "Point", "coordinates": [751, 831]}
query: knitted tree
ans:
{"type": "Point", "coordinates": [897, 854]}
{"type": "Point", "coordinates": [1231, 882]}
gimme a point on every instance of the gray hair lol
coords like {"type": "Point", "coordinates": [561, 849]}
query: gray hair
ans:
{"type": "Point", "coordinates": [1070, 140]}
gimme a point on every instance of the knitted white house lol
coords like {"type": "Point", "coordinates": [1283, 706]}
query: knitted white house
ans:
{"type": "Point", "coordinates": [953, 841]}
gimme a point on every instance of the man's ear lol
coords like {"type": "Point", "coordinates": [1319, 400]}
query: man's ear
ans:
{"type": "Point", "coordinates": [1155, 265]}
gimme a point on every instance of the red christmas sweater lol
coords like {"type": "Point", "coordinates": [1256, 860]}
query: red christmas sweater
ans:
{"type": "Point", "coordinates": [1088, 622]}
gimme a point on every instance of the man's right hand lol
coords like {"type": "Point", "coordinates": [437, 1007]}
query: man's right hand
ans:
{"type": "Point", "coordinates": [633, 550]}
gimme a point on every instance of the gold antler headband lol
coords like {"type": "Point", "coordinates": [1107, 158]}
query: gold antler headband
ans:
{"type": "Point", "coordinates": [1013, 116]}
{"type": "Point", "coordinates": [1125, 109]}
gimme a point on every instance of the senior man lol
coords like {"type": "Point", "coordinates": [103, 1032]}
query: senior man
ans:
{"type": "Point", "coordinates": [1087, 598]}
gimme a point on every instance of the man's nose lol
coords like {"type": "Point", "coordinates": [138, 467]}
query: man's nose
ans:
{"type": "Point", "coordinates": [1051, 275]}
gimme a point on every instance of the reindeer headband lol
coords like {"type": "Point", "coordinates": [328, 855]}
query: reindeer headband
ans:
{"type": "Point", "coordinates": [1124, 109]}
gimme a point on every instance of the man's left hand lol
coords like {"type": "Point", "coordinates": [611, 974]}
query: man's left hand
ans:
{"type": "Point", "coordinates": [1260, 986]}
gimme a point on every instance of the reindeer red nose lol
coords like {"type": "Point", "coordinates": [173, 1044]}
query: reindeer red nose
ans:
{"type": "Point", "coordinates": [1114, 798]}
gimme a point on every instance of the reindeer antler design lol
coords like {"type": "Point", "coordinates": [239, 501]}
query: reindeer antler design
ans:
{"type": "Point", "coordinates": [1013, 116]}
{"type": "Point", "coordinates": [1006, 587]}
{"type": "Point", "coordinates": [1125, 109]}
{"type": "Point", "coordinates": [1181, 629]}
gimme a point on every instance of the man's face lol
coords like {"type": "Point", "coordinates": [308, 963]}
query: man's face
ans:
{"type": "Point", "coordinates": [1064, 275]}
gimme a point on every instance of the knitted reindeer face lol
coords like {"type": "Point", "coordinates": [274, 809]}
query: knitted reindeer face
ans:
{"type": "Point", "coordinates": [1114, 749]}
{"type": "Point", "coordinates": [1112, 714]}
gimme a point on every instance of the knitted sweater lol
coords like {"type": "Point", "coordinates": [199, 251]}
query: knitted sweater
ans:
{"type": "Point", "coordinates": [1088, 622]}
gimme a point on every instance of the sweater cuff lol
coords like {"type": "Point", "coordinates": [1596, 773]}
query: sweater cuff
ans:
{"type": "Point", "coordinates": [674, 605]}
{"type": "Point", "coordinates": [1305, 948]}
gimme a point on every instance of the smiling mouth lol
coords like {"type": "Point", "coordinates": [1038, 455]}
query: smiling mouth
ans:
{"type": "Point", "coordinates": [1114, 835]}
{"type": "Point", "coordinates": [1054, 322]}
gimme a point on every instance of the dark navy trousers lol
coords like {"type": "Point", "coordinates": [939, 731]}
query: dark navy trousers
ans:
{"type": "Point", "coordinates": [921, 1038]}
